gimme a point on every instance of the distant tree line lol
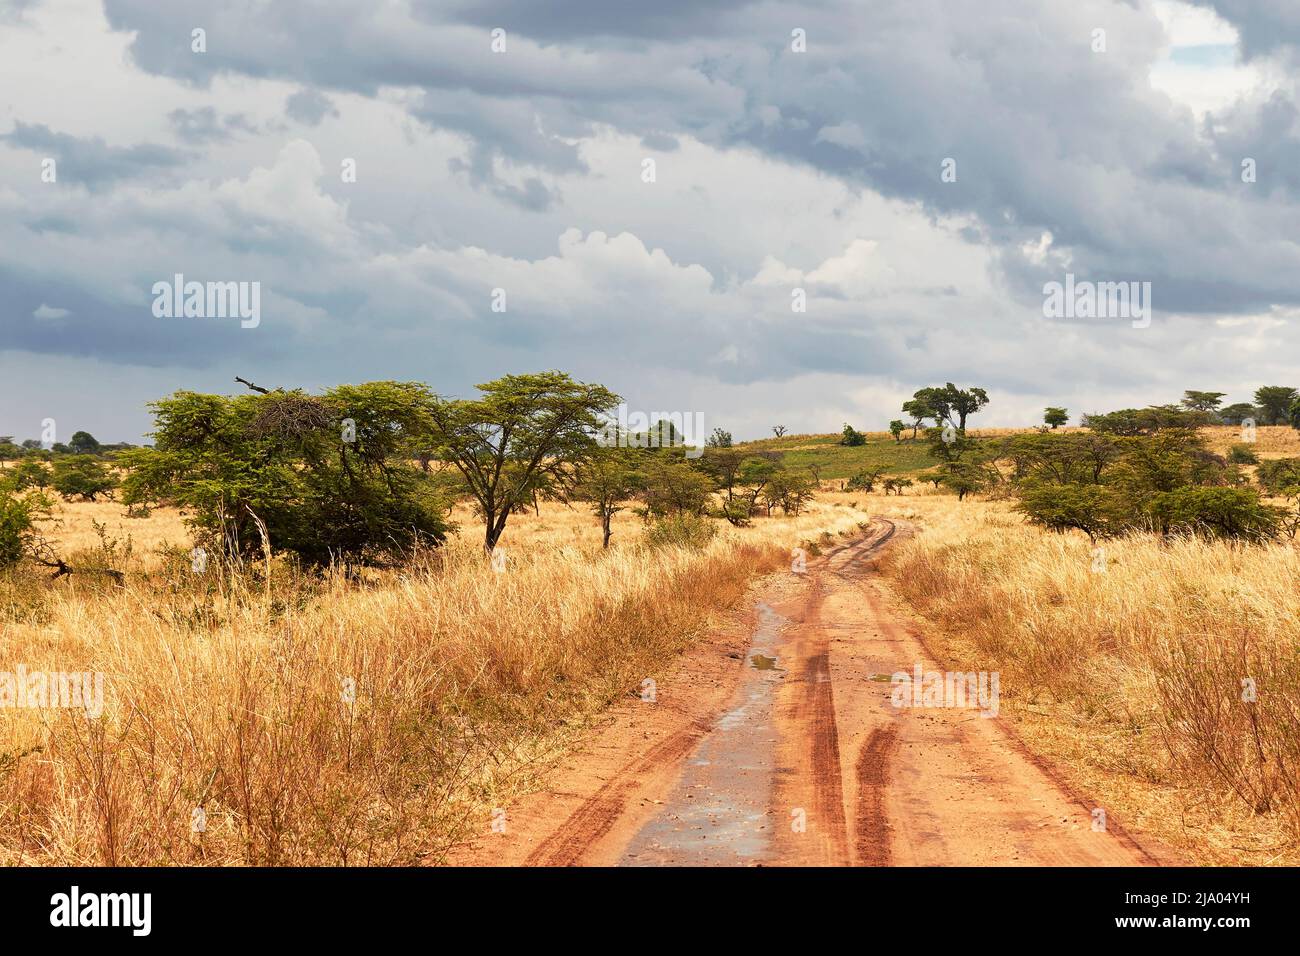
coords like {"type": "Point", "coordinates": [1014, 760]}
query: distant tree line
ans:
{"type": "Point", "coordinates": [368, 474]}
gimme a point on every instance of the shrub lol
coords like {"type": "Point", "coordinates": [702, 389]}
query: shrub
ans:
{"type": "Point", "coordinates": [864, 480]}
{"type": "Point", "coordinates": [1214, 513]}
{"type": "Point", "coordinates": [1091, 509]}
{"type": "Point", "coordinates": [1165, 481]}
{"type": "Point", "coordinates": [896, 485]}
{"type": "Point", "coordinates": [852, 437]}
{"type": "Point", "coordinates": [18, 517]}
{"type": "Point", "coordinates": [1242, 454]}
{"type": "Point", "coordinates": [82, 476]}
{"type": "Point", "coordinates": [964, 478]}
{"type": "Point", "coordinates": [681, 531]}
{"type": "Point", "coordinates": [28, 473]}
{"type": "Point", "coordinates": [789, 490]}
{"type": "Point", "coordinates": [673, 487]}
{"type": "Point", "coordinates": [1280, 476]}
{"type": "Point", "coordinates": [328, 477]}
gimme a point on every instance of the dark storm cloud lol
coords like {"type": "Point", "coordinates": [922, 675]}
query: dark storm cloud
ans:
{"type": "Point", "coordinates": [206, 125]}
{"type": "Point", "coordinates": [310, 107]}
{"type": "Point", "coordinates": [1264, 25]}
{"type": "Point", "coordinates": [571, 19]}
{"type": "Point", "coordinates": [91, 161]}
{"type": "Point", "coordinates": [126, 333]}
{"type": "Point", "coordinates": [1047, 134]}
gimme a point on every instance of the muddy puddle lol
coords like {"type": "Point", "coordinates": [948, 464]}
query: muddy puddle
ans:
{"type": "Point", "coordinates": [719, 812]}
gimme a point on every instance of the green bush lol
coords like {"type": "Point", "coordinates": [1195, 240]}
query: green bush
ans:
{"type": "Point", "coordinates": [1092, 509]}
{"type": "Point", "coordinates": [852, 437]}
{"type": "Point", "coordinates": [682, 531]}
{"type": "Point", "coordinates": [18, 517]}
{"type": "Point", "coordinates": [82, 476]}
{"type": "Point", "coordinates": [1281, 476]}
{"type": "Point", "coordinates": [329, 477]}
{"type": "Point", "coordinates": [864, 480]}
{"type": "Point", "coordinates": [28, 473]}
{"type": "Point", "coordinates": [1214, 513]}
{"type": "Point", "coordinates": [1165, 482]}
{"type": "Point", "coordinates": [1242, 454]}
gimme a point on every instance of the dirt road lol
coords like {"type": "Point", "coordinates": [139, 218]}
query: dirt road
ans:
{"type": "Point", "coordinates": [780, 743]}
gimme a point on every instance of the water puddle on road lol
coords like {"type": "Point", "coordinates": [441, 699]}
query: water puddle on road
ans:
{"type": "Point", "coordinates": [718, 813]}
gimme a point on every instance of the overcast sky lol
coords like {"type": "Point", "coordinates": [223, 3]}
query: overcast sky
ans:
{"type": "Point", "coordinates": [524, 170]}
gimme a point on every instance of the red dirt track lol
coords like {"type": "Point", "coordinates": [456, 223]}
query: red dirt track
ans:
{"type": "Point", "coordinates": [776, 743]}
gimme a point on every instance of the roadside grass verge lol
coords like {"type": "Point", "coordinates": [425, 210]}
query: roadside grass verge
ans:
{"type": "Point", "coordinates": [1135, 679]}
{"type": "Point", "coordinates": [342, 721]}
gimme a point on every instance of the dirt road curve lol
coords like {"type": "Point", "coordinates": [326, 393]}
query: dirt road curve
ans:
{"type": "Point", "coordinates": [779, 744]}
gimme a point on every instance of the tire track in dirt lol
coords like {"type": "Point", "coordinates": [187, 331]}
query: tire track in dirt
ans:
{"type": "Point", "coordinates": [744, 760]}
{"type": "Point", "coordinates": [873, 832]}
{"type": "Point", "coordinates": [823, 741]}
{"type": "Point", "coordinates": [597, 816]}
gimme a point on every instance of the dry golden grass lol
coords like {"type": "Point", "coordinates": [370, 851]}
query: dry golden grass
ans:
{"type": "Point", "coordinates": [74, 527]}
{"type": "Point", "coordinates": [1271, 441]}
{"type": "Point", "coordinates": [1131, 678]}
{"type": "Point", "coordinates": [231, 695]}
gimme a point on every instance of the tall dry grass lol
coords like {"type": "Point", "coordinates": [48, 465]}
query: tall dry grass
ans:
{"type": "Point", "coordinates": [1148, 652]}
{"type": "Point", "coordinates": [337, 721]}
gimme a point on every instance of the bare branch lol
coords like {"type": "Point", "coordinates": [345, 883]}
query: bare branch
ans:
{"type": "Point", "coordinates": [256, 388]}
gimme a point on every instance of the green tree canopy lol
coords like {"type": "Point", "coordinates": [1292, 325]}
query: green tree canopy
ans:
{"type": "Point", "coordinates": [83, 443]}
{"type": "Point", "coordinates": [1203, 401]}
{"type": "Point", "coordinates": [1146, 421]}
{"type": "Point", "coordinates": [1236, 413]}
{"type": "Point", "coordinates": [1274, 403]}
{"type": "Point", "coordinates": [607, 480]}
{"type": "Point", "coordinates": [82, 476]}
{"type": "Point", "coordinates": [522, 434]}
{"type": "Point", "coordinates": [329, 476]}
{"type": "Point", "coordinates": [852, 437]}
{"type": "Point", "coordinates": [1055, 417]}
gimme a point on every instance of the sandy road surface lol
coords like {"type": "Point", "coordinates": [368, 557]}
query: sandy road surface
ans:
{"type": "Point", "coordinates": [777, 743]}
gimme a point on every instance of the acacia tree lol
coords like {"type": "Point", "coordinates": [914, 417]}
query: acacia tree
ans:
{"type": "Point", "coordinates": [964, 478]}
{"type": "Point", "coordinates": [1055, 417]}
{"type": "Point", "coordinates": [28, 473]}
{"type": "Point", "coordinates": [606, 481]}
{"type": "Point", "coordinates": [896, 485]}
{"type": "Point", "coordinates": [789, 490]}
{"type": "Point", "coordinates": [523, 433]}
{"type": "Point", "coordinates": [1203, 401]}
{"type": "Point", "coordinates": [896, 428]}
{"type": "Point", "coordinates": [18, 517]}
{"type": "Point", "coordinates": [865, 480]}
{"type": "Point", "coordinates": [920, 407]}
{"type": "Point", "coordinates": [672, 486]}
{"type": "Point", "coordinates": [753, 477]}
{"type": "Point", "coordinates": [83, 443]}
{"type": "Point", "coordinates": [1236, 413]}
{"type": "Point", "coordinates": [946, 404]}
{"type": "Point", "coordinates": [82, 476]}
{"type": "Point", "coordinates": [328, 477]}
{"type": "Point", "coordinates": [1274, 403]}
{"type": "Point", "coordinates": [963, 402]}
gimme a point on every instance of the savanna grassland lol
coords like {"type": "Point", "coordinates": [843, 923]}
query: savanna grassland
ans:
{"type": "Point", "coordinates": [1161, 676]}
{"type": "Point", "coordinates": [258, 715]}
